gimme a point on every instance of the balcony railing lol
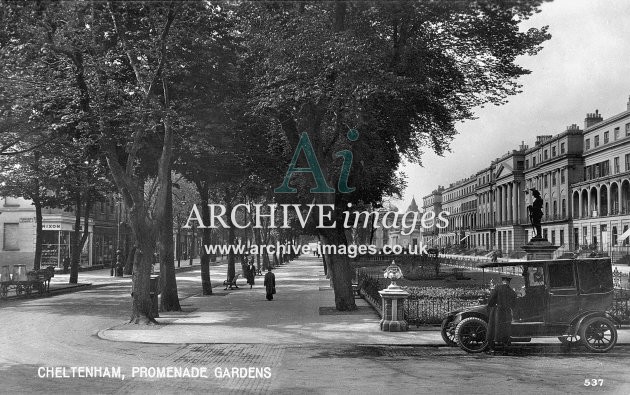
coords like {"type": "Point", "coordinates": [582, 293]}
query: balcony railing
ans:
{"type": "Point", "coordinates": [596, 213]}
{"type": "Point", "coordinates": [556, 217]}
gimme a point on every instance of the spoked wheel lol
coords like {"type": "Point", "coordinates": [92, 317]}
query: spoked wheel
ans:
{"type": "Point", "coordinates": [598, 334]}
{"type": "Point", "coordinates": [470, 335]}
{"type": "Point", "coordinates": [570, 340]}
{"type": "Point", "coordinates": [4, 291]}
{"type": "Point", "coordinates": [19, 289]}
{"type": "Point", "coordinates": [448, 332]}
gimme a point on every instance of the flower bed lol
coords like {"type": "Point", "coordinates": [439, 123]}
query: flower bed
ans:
{"type": "Point", "coordinates": [430, 304]}
{"type": "Point", "coordinates": [463, 293]}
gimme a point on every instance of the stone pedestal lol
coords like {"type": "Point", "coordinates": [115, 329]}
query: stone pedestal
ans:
{"type": "Point", "coordinates": [393, 298]}
{"type": "Point", "coordinates": [539, 249]}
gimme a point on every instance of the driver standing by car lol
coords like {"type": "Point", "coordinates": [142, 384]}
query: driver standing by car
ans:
{"type": "Point", "coordinates": [502, 301]}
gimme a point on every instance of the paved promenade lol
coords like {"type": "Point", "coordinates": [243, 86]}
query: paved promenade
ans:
{"type": "Point", "coordinates": [302, 312]}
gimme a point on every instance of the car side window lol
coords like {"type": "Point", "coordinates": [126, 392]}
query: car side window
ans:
{"type": "Point", "coordinates": [561, 275]}
{"type": "Point", "coordinates": [595, 277]}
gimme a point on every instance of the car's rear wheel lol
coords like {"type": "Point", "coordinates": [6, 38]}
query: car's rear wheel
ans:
{"type": "Point", "coordinates": [448, 332]}
{"type": "Point", "coordinates": [470, 334]}
{"type": "Point", "coordinates": [598, 334]}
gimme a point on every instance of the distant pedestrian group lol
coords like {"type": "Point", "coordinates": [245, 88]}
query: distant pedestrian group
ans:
{"type": "Point", "coordinates": [250, 272]}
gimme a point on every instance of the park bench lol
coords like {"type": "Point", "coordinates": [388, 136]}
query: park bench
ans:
{"type": "Point", "coordinates": [227, 283]}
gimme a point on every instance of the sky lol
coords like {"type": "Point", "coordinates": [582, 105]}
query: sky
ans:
{"type": "Point", "coordinates": [583, 67]}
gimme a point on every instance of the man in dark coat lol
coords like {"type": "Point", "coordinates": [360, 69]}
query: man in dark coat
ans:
{"type": "Point", "coordinates": [251, 273]}
{"type": "Point", "coordinates": [270, 284]}
{"type": "Point", "coordinates": [502, 301]}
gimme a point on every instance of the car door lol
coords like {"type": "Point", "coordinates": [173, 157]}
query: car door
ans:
{"type": "Point", "coordinates": [562, 301]}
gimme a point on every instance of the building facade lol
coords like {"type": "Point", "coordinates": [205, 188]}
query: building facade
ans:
{"type": "Point", "coordinates": [18, 227]}
{"type": "Point", "coordinates": [583, 176]}
{"type": "Point", "coordinates": [552, 166]}
{"type": "Point", "coordinates": [460, 201]}
{"type": "Point", "coordinates": [432, 203]}
{"type": "Point", "coordinates": [601, 199]}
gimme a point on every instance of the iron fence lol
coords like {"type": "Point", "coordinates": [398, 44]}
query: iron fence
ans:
{"type": "Point", "coordinates": [422, 311]}
{"type": "Point", "coordinates": [419, 310]}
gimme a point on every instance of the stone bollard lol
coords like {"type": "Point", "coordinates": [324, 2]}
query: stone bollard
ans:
{"type": "Point", "coordinates": [393, 302]}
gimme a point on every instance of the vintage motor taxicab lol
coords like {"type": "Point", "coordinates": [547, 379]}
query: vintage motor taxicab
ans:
{"type": "Point", "coordinates": [564, 298]}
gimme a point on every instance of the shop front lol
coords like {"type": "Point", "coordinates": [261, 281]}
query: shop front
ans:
{"type": "Point", "coordinates": [57, 245]}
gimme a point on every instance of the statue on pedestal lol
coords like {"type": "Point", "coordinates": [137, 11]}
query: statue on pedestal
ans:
{"type": "Point", "coordinates": [536, 213]}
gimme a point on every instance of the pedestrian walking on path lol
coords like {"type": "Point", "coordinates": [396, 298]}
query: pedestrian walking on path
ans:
{"type": "Point", "coordinates": [501, 302]}
{"type": "Point", "coordinates": [251, 273]}
{"type": "Point", "coordinates": [270, 284]}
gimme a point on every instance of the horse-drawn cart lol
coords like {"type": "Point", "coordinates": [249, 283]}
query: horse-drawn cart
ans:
{"type": "Point", "coordinates": [23, 282]}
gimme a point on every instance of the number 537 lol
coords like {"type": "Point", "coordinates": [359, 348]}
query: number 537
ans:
{"type": "Point", "coordinates": [593, 382]}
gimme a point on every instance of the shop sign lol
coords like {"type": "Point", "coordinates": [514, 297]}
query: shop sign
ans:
{"type": "Point", "coordinates": [27, 219]}
{"type": "Point", "coordinates": [51, 226]}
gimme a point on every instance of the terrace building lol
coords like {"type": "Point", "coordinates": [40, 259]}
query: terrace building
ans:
{"type": "Point", "coordinates": [484, 230]}
{"type": "Point", "coordinates": [432, 203]}
{"type": "Point", "coordinates": [601, 200]}
{"type": "Point", "coordinates": [460, 200]}
{"type": "Point", "coordinates": [509, 203]}
{"type": "Point", "coordinates": [584, 180]}
{"type": "Point", "coordinates": [552, 166]}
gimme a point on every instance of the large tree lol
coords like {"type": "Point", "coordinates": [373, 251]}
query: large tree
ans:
{"type": "Point", "coordinates": [120, 58]}
{"type": "Point", "coordinates": [400, 73]}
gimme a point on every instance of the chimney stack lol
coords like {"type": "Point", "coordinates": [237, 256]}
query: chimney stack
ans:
{"type": "Point", "coordinates": [592, 118]}
{"type": "Point", "coordinates": [628, 103]}
{"type": "Point", "coordinates": [522, 147]}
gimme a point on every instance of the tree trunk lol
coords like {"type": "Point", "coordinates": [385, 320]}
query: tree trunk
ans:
{"type": "Point", "coordinates": [141, 311]}
{"type": "Point", "coordinates": [340, 269]}
{"type": "Point", "coordinates": [258, 239]}
{"type": "Point", "coordinates": [231, 237]}
{"type": "Point", "coordinates": [76, 241]}
{"type": "Point", "coordinates": [169, 300]}
{"type": "Point", "coordinates": [206, 284]}
{"type": "Point", "coordinates": [131, 253]}
{"type": "Point", "coordinates": [39, 219]}
{"type": "Point", "coordinates": [231, 258]}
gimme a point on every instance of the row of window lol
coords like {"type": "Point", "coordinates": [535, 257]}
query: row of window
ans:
{"type": "Point", "coordinates": [459, 193]}
{"type": "Point", "coordinates": [596, 142]}
{"type": "Point", "coordinates": [545, 155]}
{"type": "Point", "coordinates": [602, 236]}
{"type": "Point", "coordinates": [543, 181]}
{"type": "Point", "coordinates": [602, 169]}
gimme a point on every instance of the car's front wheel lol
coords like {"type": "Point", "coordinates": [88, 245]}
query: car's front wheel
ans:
{"type": "Point", "coordinates": [470, 334]}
